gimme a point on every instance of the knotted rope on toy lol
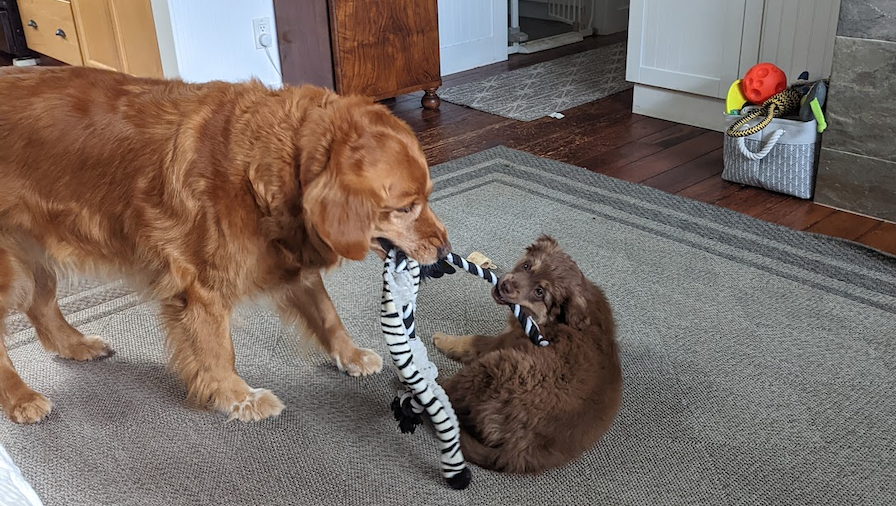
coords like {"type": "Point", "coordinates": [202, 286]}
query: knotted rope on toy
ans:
{"type": "Point", "coordinates": [401, 283]}
{"type": "Point", "coordinates": [778, 105]}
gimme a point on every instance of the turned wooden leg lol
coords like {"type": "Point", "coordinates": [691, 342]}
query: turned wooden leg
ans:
{"type": "Point", "coordinates": [430, 100]}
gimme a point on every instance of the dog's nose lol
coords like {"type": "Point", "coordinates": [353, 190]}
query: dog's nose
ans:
{"type": "Point", "coordinates": [507, 286]}
{"type": "Point", "coordinates": [443, 250]}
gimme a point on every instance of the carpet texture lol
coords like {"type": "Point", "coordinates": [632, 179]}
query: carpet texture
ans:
{"type": "Point", "coordinates": [536, 91]}
{"type": "Point", "coordinates": [758, 365]}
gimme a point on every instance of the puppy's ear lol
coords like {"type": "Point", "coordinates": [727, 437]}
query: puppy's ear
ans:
{"type": "Point", "coordinates": [547, 242]}
{"type": "Point", "coordinates": [575, 312]}
{"type": "Point", "coordinates": [342, 217]}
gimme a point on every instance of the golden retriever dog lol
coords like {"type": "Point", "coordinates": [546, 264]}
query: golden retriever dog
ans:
{"type": "Point", "coordinates": [524, 408]}
{"type": "Point", "coordinates": [202, 195]}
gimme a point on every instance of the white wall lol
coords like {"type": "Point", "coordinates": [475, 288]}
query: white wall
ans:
{"type": "Point", "coordinates": [205, 40]}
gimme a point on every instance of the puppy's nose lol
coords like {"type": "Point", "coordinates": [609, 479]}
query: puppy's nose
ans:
{"type": "Point", "coordinates": [443, 250]}
{"type": "Point", "coordinates": [507, 286]}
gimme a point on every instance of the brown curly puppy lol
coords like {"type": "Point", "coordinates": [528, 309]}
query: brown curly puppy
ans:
{"type": "Point", "coordinates": [526, 409]}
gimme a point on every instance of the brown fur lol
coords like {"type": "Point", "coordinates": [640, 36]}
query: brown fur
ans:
{"type": "Point", "coordinates": [526, 409]}
{"type": "Point", "coordinates": [203, 195]}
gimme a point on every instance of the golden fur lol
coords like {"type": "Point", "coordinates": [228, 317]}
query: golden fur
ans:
{"type": "Point", "coordinates": [203, 195]}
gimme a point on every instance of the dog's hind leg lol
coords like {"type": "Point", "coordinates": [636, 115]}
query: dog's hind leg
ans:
{"type": "Point", "coordinates": [20, 403]}
{"type": "Point", "coordinates": [56, 334]}
{"type": "Point", "coordinates": [201, 347]}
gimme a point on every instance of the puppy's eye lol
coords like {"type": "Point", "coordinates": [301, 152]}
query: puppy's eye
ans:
{"type": "Point", "coordinates": [539, 292]}
{"type": "Point", "coordinates": [405, 210]}
{"type": "Point", "coordinates": [526, 266]}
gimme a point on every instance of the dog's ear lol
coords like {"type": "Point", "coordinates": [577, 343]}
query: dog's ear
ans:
{"type": "Point", "coordinates": [338, 204]}
{"type": "Point", "coordinates": [343, 217]}
{"type": "Point", "coordinates": [574, 311]}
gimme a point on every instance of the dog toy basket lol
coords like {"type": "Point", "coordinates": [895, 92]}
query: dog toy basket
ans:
{"type": "Point", "coordinates": [781, 157]}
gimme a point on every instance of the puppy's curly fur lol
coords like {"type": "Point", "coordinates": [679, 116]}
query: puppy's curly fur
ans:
{"type": "Point", "coordinates": [526, 409]}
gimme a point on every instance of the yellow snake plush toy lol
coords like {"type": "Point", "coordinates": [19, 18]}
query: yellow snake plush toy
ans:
{"type": "Point", "coordinates": [781, 104]}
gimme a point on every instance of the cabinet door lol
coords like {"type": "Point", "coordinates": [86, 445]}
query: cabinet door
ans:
{"type": "Point", "coordinates": [118, 35]}
{"type": "Point", "coordinates": [384, 48]}
{"type": "Point", "coordinates": [686, 45]}
{"type": "Point", "coordinates": [96, 34]}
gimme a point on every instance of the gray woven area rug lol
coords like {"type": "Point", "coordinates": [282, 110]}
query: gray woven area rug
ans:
{"type": "Point", "coordinates": [537, 91]}
{"type": "Point", "coordinates": [758, 366]}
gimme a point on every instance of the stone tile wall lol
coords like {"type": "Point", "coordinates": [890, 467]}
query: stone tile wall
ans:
{"type": "Point", "coordinates": [857, 168]}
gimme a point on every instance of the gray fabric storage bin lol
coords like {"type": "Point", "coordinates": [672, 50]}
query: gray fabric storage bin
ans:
{"type": "Point", "coordinates": [788, 167]}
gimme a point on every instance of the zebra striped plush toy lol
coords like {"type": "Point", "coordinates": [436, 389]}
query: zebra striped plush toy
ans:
{"type": "Point", "coordinates": [401, 282]}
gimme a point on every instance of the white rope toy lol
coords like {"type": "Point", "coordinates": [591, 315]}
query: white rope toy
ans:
{"type": "Point", "coordinates": [401, 283]}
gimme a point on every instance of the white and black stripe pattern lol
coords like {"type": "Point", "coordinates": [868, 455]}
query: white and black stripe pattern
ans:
{"type": "Point", "coordinates": [528, 323]}
{"type": "Point", "coordinates": [401, 282]}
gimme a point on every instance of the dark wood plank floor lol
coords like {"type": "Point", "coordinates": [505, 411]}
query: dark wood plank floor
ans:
{"type": "Point", "coordinates": [605, 137]}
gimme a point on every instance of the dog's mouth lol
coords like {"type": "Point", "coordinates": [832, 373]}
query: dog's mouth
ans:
{"type": "Point", "coordinates": [499, 299]}
{"type": "Point", "coordinates": [383, 244]}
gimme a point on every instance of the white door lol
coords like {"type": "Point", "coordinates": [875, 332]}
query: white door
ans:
{"type": "Point", "coordinates": [686, 45]}
{"type": "Point", "coordinates": [472, 33]}
{"type": "Point", "coordinates": [610, 16]}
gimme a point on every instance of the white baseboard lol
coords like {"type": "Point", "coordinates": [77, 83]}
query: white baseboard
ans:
{"type": "Point", "coordinates": [686, 108]}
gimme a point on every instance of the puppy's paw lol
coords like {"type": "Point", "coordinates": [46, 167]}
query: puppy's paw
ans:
{"type": "Point", "coordinates": [29, 408]}
{"type": "Point", "coordinates": [87, 348]}
{"type": "Point", "coordinates": [454, 347]}
{"type": "Point", "coordinates": [360, 362]}
{"type": "Point", "coordinates": [258, 404]}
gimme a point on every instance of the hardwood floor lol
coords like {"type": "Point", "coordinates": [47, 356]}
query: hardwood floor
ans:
{"type": "Point", "coordinates": [605, 137]}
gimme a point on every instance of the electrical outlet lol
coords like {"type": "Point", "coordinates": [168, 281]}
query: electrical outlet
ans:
{"type": "Point", "coordinates": [261, 28]}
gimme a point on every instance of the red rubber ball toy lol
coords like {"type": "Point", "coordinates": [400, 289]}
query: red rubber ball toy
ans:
{"type": "Point", "coordinates": [762, 81]}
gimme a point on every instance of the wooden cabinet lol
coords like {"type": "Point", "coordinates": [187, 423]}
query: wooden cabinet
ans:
{"type": "Point", "coordinates": [379, 48]}
{"type": "Point", "coordinates": [50, 29]}
{"type": "Point", "coordinates": [110, 34]}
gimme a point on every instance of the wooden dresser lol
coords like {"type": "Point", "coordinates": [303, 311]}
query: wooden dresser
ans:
{"type": "Point", "coordinates": [379, 48]}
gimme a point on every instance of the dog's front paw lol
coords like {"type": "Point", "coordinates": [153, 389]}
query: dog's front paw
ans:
{"type": "Point", "coordinates": [258, 404]}
{"type": "Point", "coordinates": [87, 348]}
{"type": "Point", "coordinates": [454, 347]}
{"type": "Point", "coordinates": [31, 407]}
{"type": "Point", "coordinates": [360, 362]}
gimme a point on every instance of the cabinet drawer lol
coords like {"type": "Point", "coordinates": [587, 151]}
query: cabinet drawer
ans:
{"type": "Point", "coordinates": [50, 29]}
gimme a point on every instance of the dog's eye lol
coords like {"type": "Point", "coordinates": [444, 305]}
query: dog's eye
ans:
{"type": "Point", "coordinates": [526, 266]}
{"type": "Point", "coordinates": [539, 292]}
{"type": "Point", "coordinates": [405, 209]}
